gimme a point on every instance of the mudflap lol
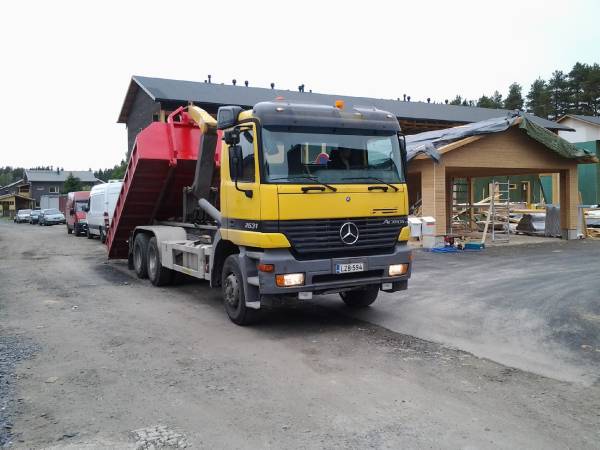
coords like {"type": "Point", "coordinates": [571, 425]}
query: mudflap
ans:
{"type": "Point", "coordinates": [250, 274]}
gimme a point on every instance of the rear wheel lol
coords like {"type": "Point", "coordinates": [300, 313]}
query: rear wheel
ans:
{"type": "Point", "coordinates": [88, 234]}
{"type": "Point", "coordinates": [140, 255]}
{"type": "Point", "coordinates": [360, 298]}
{"type": "Point", "coordinates": [158, 274]}
{"type": "Point", "coordinates": [102, 235]}
{"type": "Point", "coordinates": [232, 284]}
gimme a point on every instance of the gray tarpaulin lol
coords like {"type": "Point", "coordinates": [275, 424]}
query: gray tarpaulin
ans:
{"type": "Point", "coordinates": [429, 142]}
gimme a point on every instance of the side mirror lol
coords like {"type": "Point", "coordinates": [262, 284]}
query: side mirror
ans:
{"type": "Point", "coordinates": [235, 162]}
{"type": "Point", "coordinates": [232, 137]}
{"type": "Point", "coordinates": [236, 167]}
{"type": "Point", "coordinates": [227, 116]}
{"type": "Point", "coordinates": [403, 155]}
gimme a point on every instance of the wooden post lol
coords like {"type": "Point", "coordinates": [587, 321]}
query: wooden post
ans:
{"type": "Point", "coordinates": [555, 188]}
{"type": "Point", "coordinates": [569, 203]}
{"type": "Point", "coordinates": [433, 190]}
{"type": "Point", "coordinates": [471, 197]}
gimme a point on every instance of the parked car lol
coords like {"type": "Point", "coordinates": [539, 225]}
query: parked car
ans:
{"type": "Point", "coordinates": [22, 215]}
{"type": "Point", "coordinates": [51, 216]}
{"type": "Point", "coordinates": [34, 216]}
{"type": "Point", "coordinates": [75, 213]}
{"type": "Point", "coordinates": [100, 209]}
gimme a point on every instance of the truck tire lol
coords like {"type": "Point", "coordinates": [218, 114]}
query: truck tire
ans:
{"type": "Point", "coordinates": [158, 274]}
{"type": "Point", "coordinates": [88, 234]}
{"type": "Point", "coordinates": [140, 255]}
{"type": "Point", "coordinates": [69, 230]}
{"type": "Point", "coordinates": [232, 284]}
{"type": "Point", "coordinates": [360, 298]}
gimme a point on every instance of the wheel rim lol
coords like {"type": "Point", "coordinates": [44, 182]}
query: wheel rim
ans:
{"type": "Point", "coordinates": [152, 261]}
{"type": "Point", "coordinates": [231, 291]}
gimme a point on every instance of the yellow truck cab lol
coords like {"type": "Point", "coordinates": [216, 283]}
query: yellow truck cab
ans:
{"type": "Point", "coordinates": [313, 200]}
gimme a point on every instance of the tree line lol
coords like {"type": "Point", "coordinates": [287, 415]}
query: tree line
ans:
{"type": "Point", "coordinates": [575, 92]}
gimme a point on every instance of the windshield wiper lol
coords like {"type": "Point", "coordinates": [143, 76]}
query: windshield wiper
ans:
{"type": "Point", "coordinates": [373, 178]}
{"type": "Point", "coordinates": [307, 177]}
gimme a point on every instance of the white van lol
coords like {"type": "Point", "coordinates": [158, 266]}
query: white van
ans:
{"type": "Point", "coordinates": [103, 198]}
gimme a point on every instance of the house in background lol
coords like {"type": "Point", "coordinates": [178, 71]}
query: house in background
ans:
{"type": "Point", "coordinates": [37, 183]}
{"type": "Point", "coordinates": [585, 136]}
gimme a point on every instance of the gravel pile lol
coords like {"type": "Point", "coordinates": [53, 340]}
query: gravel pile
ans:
{"type": "Point", "coordinates": [13, 349]}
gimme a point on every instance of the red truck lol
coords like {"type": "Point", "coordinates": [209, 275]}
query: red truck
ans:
{"type": "Point", "coordinates": [74, 213]}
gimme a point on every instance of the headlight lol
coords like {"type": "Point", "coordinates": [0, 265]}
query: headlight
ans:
{"type": "Point", "coordinates": [396, 270]}
{"type": "Point", "coordinates": [289, 279]}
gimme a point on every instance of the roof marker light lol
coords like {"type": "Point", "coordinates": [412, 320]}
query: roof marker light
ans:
{"type": "Point", "coordinates": [339, 104]}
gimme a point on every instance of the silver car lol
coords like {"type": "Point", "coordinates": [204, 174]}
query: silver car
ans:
{"type": "Point", "coordinates": [22, 215]}
{"type": "Point", "coordinates": [51, 216]}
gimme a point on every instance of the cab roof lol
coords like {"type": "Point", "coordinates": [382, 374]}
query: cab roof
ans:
{"type": "Point", "coordinates": [324, 116]}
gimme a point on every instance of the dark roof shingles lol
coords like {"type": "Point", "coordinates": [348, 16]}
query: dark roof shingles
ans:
{"type": "Point", "coordinates": [161, 89]}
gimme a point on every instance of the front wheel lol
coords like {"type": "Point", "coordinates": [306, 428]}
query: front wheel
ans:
{"type": "Point", "coordinates": [158, 274]}
{"type": "Point", "coordinates": [232, 284]}
{"type": "Point", "coordinates": [360, 298]}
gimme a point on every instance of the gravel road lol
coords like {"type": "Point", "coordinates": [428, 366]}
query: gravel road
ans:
{"type": "Point", "coordinates": [101, 359]}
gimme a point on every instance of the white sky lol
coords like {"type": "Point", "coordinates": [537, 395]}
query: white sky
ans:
{"type": "Point", "coordinates": [66, 65]}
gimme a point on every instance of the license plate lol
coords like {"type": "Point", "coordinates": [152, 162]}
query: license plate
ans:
{"type": "Point", "coordinates": [348, 268]}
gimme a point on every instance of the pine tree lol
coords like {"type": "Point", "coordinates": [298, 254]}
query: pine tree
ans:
{"type": "Point", "coordinates": [514, 99]}
{"type": "Point", "coordinates": [72, 184]}
{"type": "Point", "coordinates": [496, 99]}
{"type": "Point", "coordinates": [538, 99]}
{"type": "Point", "coordinates": [485, 102]}
{"type": "Point", "coordinates": [457, 100]}
{"type": "Point", "coordinates": [558, 89]}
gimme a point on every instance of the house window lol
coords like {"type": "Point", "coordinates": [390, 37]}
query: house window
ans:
{"type": "Point", "coordinates": [53, 189]}
{"type": "Point", "coordinates": [24, 189]}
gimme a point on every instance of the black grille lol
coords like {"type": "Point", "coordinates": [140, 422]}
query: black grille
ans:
{"type": "Point", "coordinates": [311, 238]}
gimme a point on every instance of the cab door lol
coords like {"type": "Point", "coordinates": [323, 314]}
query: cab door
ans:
{"type": "Point", "coordinates": [241, 210]}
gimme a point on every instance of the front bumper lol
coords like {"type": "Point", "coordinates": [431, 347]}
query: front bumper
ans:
{"type": "Point", "coordinates": [80, 227]}
{"type": "Point", "coordinates": [320, 276]}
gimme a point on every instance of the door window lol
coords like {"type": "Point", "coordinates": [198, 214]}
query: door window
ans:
{"type": "Point", "coordinates": [247, 144]}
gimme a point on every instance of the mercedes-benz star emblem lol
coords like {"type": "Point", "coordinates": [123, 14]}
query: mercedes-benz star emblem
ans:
{"type": "Point", "coordinates": [349, 233]}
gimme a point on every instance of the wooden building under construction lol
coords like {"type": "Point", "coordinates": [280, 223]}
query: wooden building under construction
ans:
{"type": "Point", "coordinates": [520, 148]}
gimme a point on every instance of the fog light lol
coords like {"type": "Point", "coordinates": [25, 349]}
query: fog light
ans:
{"type": "Point", "coordinates": [289, 279]}
{"type": "Point", "coordinates": [398, 269]}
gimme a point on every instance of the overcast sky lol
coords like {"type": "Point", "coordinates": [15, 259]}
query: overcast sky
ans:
{"type": "Point", "coordinates": [66, 65]}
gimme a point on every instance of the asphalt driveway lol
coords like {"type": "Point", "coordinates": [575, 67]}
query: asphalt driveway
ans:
{"type": "Point", "coordinates": [533, 307]}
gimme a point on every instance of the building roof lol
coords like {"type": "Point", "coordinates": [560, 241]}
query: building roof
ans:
{"type": "Point", "coordinates": [166, 90]}
{"type": "Point", "coordinates": [594, 120]}
{"type": "Point", "coordinates": [50, 176]}
{"type": "Point", "coordinates": [433, 144]}
{"type": "Point", "coordinates": [6, 196]}
{"type": "Point", "coordinates": [14, 183]}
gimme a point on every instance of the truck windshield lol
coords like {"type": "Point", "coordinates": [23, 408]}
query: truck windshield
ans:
{"type": "Point", "coordinates": [307, 156]}
{"type": "Point", "coordinates": [79, 205]}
